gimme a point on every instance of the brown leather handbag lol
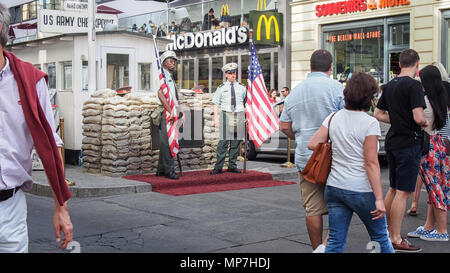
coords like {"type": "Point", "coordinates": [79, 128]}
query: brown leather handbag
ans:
{"type": "Point", "coordinates": [318, 166]}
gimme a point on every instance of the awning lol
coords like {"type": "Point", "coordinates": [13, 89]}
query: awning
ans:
{"type": "Point", "coordinates": [107, 10]}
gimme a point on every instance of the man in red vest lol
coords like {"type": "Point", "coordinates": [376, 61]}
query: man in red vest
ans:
{"type": "Point", "coordinates": [26, 120]}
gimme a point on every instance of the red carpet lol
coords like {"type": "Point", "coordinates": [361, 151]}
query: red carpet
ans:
{"type": "Point", "coordinates": [194, 182]}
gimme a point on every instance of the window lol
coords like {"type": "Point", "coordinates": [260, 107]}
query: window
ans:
{"type": "Point", "coordinates": [361, 47]}
{"type": "Point", "coordinates": [265, 63]}
{"type": "Point", "coordinates": [217, 74]}
{"type": "Point", "coordinates": [29, 11]}
{"type": "Point", "coordinates": [67, 75]}
{"type": "Point", "coordinates": [52, 4]}
{"type": "Point", "coordinates": [85, 76]}
{"type": "Point", "coordinates": [51, 71]}
{"type": "Point", "coordinates": [117, 70]}
{"type": "Point", "coordinates": [187, 74]}
{"type": "Point", "coordinates": [203, 73]}
{"type": "Point", "coordinates": [16, 15]}
{"type": "Point", "coordinates": [144, 76]}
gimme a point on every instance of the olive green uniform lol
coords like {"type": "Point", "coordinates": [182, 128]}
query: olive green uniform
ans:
{"type": "Point", "coordinates": [232, 119]}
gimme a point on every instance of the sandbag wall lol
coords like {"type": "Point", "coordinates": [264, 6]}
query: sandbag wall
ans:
{"type": "Point", "coordinates": [117, 134]}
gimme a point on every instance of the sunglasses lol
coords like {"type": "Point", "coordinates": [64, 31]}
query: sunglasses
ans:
{"type": "Point", "coordinates": [231, 71]}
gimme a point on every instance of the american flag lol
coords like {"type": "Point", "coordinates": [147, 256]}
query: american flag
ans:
{"type": "Point", "coordinates": [172, 131]}
{"type": "Point", "coordinates": [262, 120]}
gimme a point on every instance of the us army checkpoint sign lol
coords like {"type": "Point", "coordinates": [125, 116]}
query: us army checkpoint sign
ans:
{"type": "Point", "coordinates": [57, 21]}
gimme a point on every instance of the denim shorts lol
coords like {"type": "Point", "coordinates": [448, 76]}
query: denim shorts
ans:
{"type": "Point", "coordinates": [404, 167]}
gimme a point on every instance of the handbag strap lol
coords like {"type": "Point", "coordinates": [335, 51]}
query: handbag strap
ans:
{"type": "Point", "coordinates": [329, 122]}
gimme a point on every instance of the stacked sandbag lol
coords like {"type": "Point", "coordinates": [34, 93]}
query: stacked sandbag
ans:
{"type": "Point", "coordinates": [115, 136]}
{"type": "Point", "coordinates": [211, 134]}
{"type": "Point", "coordinates": [148, 162]}
{"type": "Point", "coordinates": [92, 129]}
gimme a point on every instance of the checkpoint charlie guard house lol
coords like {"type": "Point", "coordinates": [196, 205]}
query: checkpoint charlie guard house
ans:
{"type": "Point", "coordinates": [60, 48]}
{"type": "Point", "coordinates": [124, 57]}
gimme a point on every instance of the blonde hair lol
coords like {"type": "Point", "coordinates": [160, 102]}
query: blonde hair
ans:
{"type": "Point", "coordinates": [444, 74]}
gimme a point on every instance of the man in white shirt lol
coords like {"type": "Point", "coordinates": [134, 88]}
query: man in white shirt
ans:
{"type": "Point", "coordinates": [16, 143]}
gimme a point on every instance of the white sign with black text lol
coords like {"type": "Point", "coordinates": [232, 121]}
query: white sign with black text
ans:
{"type": "Point", "coordinates": [75, 6]}
{"type": "Point", "coordinates": [56, 21]}
{"type": "Point", "coordinates": [221, 37]}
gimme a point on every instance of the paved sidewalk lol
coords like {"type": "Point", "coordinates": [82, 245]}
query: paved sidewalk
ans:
{"type": "Point", "coordinates": [97, 185]}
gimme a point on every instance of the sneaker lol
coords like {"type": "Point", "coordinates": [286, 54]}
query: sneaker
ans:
{"type": "Point", "coordinates": [319, 249]}
{"type": "Point", "coordinates": [405, 246]}
{"type": "Point", "coordinates": [419, 232]}
{"type": "Point", "coordinates": [435, 236]}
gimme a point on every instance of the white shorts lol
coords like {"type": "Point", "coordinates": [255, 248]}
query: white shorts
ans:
{"type": "Point", "coordinates": [13, 224]}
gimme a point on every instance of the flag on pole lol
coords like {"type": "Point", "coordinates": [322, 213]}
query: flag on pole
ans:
{"type": "Point", "coordinates": [172, 131]}
{"type": "Point", "coordinates": [262, 119]}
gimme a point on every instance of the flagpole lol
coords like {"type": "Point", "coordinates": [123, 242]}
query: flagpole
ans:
{"type": "Point", "coordinates": [245, 119]}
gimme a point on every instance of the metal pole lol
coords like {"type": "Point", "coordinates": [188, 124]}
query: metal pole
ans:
{"type": "Point", "coordinates": [92, 70]}
{"type": "Point", "coordinates": [288, 163]}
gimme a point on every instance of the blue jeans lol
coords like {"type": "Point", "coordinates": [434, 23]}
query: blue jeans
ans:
{"type": "Point", "coordinates": [341, 205]}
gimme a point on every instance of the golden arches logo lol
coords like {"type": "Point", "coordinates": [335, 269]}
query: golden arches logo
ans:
{"type": "Point", "coordinates": [268, 24]}
{"type": "Point", "coordinates": [225, 10]}
{"type": "Point", "coordinates": [261, 5]}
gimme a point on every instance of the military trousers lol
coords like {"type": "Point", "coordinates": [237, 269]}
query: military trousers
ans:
{"type": "Point", "coordinates": [165, 162]}
{"type": "Point", "coordinates": [231, 134]}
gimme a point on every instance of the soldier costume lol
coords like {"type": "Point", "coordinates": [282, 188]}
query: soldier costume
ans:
{"type": "Point", "coordinates": [166, 163]}
{"type": "Point", "coordinates": [230, 100]}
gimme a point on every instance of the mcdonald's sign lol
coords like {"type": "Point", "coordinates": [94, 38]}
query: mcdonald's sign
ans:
{"type": "Point", "coordinates": [225, 10]}
{"type": "Point", "coordinates": [267, 27]}
{"type": "Point", "coordinates": [261, 5]}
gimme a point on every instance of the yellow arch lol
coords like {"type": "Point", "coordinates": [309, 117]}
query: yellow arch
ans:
{"type": "Point", "coordinates": [268, 23]}
{"type": "Point", "coordinates": [225, 10]}
{"type": "Point", "coordinates": [261, 5]}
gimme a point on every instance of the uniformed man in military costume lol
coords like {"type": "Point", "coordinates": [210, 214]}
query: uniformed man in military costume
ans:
{"type": "Point", "coordinates": [229, 116]}
{"type": "Point", "coordinates": [166, 163]}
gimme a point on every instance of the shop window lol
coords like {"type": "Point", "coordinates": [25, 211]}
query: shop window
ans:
{"type": "Point", "coordinates": [203, 73]}
{"type": "Point", "coordinates": [144, 76]}
{"type": "Point", "coordinates": [117, 70]}
{"type": "Point", "coordinates": [358, 49]}
{"type": "Point", "coordinates": [67, 75]}
{"type": "Point", "coordinates": [217, 74]}
{"type": "Point", "coordinates": [265, 63]}
{"type": "Point", "coordinates": [188, 74]}
{"type": "Point", "coordinates": [245, 68]}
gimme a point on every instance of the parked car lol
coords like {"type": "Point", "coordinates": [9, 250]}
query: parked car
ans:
{"type": "Point", "coordinates": [277, 144]}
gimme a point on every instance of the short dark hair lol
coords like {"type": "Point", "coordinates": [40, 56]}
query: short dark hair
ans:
{"type": "Point", "coordinates": [321, 60]}
{"type": "Point", "coordinates": [408, 57]}
{"type": "Point", "coordinates": [287, 88]}
{"type": "Point", "coordinates": [359, 91]}
{"type": "Point", "coordinates": [211, 10]}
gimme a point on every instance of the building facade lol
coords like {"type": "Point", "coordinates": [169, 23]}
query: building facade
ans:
{"type": "Point", "coordinates": [367, 35]}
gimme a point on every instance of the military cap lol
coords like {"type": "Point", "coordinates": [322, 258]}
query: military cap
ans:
{"type": "Point", "coordinates": [229, 66]}
{"type": "Point", "coordinates": [168, 54]}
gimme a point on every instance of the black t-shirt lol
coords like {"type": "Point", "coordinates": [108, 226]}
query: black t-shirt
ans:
{"type": "Point", "coordinates": [400, 96]}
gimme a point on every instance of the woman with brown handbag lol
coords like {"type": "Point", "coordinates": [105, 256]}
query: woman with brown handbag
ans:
{"type": "Point", "coordinates": [354, 182]}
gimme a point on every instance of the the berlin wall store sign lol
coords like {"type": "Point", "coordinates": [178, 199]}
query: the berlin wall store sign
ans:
{"type": "Point", "coordinates": [221, 37]}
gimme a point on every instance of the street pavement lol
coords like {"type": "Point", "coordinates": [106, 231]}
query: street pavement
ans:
{"type": "Point", "coordinates": [114, 215]}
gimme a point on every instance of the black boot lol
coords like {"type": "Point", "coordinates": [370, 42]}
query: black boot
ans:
{"type": "Point", "coordinates": [172, 175]}
{"type": "Point", "coordinates": [215, 171]}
